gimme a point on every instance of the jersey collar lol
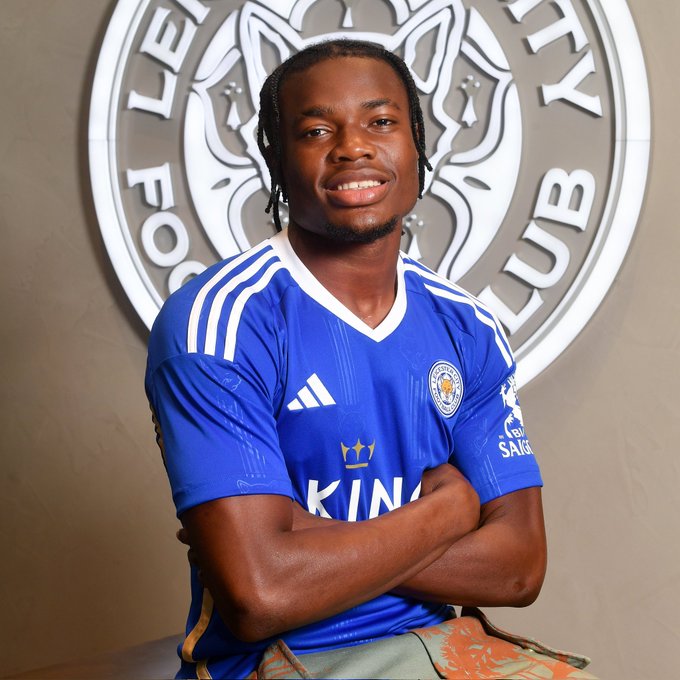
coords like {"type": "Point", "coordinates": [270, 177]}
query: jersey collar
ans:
{"type": "Point", "coordinates": [310, 285]}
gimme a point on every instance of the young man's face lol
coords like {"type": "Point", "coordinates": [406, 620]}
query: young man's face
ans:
{"type": "Point", "coordinates": [350, 164]}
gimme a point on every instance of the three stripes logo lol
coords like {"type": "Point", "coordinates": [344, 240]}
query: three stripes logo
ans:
{"type": "Point", "coordinates": [313, 395]}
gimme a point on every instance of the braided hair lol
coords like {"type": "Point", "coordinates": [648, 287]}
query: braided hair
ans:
{"type": "Point", "coordinates": [269, 123]}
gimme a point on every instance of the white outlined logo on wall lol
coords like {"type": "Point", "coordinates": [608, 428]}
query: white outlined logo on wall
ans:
{"type": "Point", "coordinates": [537, 116]}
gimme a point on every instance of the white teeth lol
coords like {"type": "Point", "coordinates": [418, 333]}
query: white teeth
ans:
{"type": "Point", "coordinates": [367, 184]}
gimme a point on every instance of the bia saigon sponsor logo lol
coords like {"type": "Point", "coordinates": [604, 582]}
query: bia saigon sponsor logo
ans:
{"type": "Point", "coordinates": [537, 116]}
{"type": "Point", "coordinates": [514, 442]}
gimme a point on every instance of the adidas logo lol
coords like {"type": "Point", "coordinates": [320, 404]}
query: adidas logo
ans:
{"type": "Point", "coordinates": [312, 395]}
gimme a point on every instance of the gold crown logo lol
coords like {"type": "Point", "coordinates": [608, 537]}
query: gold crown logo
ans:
{"type": "Point", "coordinates": [356, 459]}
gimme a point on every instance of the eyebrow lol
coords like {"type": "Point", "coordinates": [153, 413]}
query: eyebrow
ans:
{"type": "Point", "coordinates": [321, 111]}
{"type": "Point", "coordinates": [317, 112]}
{"type": "Point", "coordinates": [377, 103]}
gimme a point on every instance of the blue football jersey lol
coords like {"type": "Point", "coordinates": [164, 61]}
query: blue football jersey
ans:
{"type": "Point", "coordinates": [261, 382]}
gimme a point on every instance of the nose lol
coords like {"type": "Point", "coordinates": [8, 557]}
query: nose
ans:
{"type": "Point", "coordinates": [352, 143]}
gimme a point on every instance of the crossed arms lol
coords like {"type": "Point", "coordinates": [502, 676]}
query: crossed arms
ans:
{"type": "Point", "coordinates": [271, 566]}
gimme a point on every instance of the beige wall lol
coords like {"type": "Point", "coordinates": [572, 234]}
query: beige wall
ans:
{"type": "Point", "coordinates": [90, 562]}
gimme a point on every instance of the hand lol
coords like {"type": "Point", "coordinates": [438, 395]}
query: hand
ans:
{"type": "Point", "coordinates": [461, 496]}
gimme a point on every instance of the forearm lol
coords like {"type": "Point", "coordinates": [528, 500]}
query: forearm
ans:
{"type": "Point", "coordinates": [287, 578]}
{"type": "Point", "coordinates": [338, 567]}
{"type": "Point", "coordinates": [482, 568]}
{"type": "Point", "coordinates": [502, 563]}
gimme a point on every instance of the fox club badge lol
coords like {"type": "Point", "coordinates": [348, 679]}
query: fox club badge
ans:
{"type": "Point", "coordinates": [536, 187]}
{"type": "Point", "coordinates": [446, 387]}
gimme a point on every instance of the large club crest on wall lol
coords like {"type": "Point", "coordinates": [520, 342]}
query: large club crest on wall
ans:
{"type": "Point", "coordinates": [537, 117]}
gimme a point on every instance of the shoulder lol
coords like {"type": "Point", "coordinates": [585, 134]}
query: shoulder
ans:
{"type": "Point", "coordinates": [204, 315]}
{"type": "Point", "coordinates": [458, 307]}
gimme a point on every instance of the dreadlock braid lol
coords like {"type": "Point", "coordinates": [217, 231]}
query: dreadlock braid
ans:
{"type": "Point", "coordinates": [269, 122]}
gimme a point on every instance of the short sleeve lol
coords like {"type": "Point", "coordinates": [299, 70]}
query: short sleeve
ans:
{"type": "Point", "coordinates": [216, 429]}
{"type": "Point", "coordinates": [490, 443]}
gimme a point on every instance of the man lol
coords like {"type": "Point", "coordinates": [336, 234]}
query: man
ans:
{"type": "Point", "coordinates": [331, 413]}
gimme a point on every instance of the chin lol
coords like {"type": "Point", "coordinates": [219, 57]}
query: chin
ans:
{"type": "Point", "coordinates": [342, 233]}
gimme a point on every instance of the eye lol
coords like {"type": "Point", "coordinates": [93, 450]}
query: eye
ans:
{"type": "Point", "coordinates": [314, 132]}
{"type": "Point", "coordinates": [385, 123]}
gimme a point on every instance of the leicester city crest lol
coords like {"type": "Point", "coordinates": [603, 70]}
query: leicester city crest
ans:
{"type": "Point", "coordinates": [537, 122]}
{"type": "Point", "coordinates": [446, 387]}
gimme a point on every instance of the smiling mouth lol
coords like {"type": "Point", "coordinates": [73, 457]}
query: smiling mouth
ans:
{"type": "Point", "coordinates": [357, 193]}
{"type": "Point", "coordinates": [366, 184]}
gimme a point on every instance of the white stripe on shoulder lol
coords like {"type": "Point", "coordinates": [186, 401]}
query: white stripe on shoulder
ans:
{"type": "Point", "coordinates": [217, 306]}
{"type": "Point", "coordinates": [458, 294]}
{"type": "Point", "coordinates": [426, 273]}
{"type": "Point", "coordinates": [197, 307]}
{"type": "Point", "coordinates": [239, 305]}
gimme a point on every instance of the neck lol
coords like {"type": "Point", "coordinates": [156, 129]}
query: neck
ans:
{"type": "Point", "coordinates": [362, 276]}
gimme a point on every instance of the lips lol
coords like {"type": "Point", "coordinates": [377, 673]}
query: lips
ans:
{"type": "Point", "coordinates": [355, 189]}
{"type": "Point", "coordinates": [366, 184]}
